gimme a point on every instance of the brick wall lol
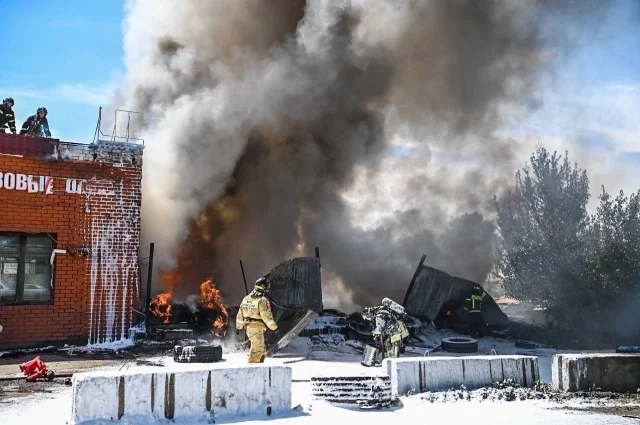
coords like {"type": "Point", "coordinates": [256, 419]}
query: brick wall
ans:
{"type": "Point", "coordinates": [96, 283]}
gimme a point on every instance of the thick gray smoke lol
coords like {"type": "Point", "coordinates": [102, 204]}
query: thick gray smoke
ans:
{"type": "Point", "coordinates": [276, 126]}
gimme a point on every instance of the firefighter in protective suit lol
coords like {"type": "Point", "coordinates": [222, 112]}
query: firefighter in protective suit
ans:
{"type": "Point", "coordinates": [7, 116]}
{"type": "Point", "coordinates": [255, 315]}
{"type": "Point", "coordinates": [473, 306]}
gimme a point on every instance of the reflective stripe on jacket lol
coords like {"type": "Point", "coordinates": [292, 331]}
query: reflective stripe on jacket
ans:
{"type": "Point", "coordinates": [474, 303]}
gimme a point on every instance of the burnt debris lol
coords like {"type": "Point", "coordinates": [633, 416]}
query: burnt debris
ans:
{"type": "Point", "coordinates": [438, 297]}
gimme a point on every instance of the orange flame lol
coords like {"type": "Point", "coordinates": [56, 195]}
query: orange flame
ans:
{"type": "Point", "coordinates": [161, 306]}
{"type": "Point", "coordinates": [211, 298]}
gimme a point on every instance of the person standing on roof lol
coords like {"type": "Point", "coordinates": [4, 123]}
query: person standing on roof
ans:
{"type": "Point", "coordinates": [255, 315]}
{"type": "Point", "coordinates": [473, 306]}
{"type": "Point", "coordinates": [37, 125]}
{"type": "Point", "coordinates": [7, 116]}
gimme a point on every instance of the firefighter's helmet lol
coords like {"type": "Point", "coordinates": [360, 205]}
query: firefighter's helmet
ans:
{"type": "Point", "coordinates": [42, 109]}
{"type": "Point", "coordinates": [261, 285]}
{"type": "Point", "coordinates": [477, 289]}
{"type": "Point", "coordinates": [9, 100]}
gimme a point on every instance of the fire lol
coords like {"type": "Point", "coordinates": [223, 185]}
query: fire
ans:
{"type": "Point", "coordinates": [161, 306]}
{"type": "Point", "coordinates": [211, 298]}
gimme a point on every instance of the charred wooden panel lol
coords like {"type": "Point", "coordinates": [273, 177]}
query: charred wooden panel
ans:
{"type": "Point", "coordinates": [296, 283]}
{"type": "Point", "coordinates": [429, 292]}
{"type": "Point", "coordinates": [435, 290]}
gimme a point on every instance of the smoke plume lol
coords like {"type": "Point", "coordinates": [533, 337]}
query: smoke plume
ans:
{"type": "Point", "coordinates": [357, 126]}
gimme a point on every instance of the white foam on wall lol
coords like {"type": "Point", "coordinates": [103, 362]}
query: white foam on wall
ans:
{"type": "Point", "coordinates": [444, 373]}
{"type": "Point", "coordinates": [114, 235]}
{"type": "Point", "coordinates": [183, 394]}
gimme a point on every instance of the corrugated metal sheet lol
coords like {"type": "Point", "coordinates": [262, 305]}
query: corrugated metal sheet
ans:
{"type": "Point", "coordinates": [12, 144]}
{"type": "Point", "coordinates": [296, 283]}
{"type": "Point", "coordinates": [429, 292]}
{"type": "Point", "coordinates": [433, 289]}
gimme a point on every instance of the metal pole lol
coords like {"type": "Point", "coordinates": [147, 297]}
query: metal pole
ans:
{"type": "Point", "coordinates": [318, 255]}
{"type": "Point", "coordinates": [147, 310]}
{"type": "Point", "coordinates": [246, 288]}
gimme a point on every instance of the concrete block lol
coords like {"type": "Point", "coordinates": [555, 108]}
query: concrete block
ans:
{"type": "Point", "coordinates": [443, 373]}
{"type": "Point", "coordinates": [189, 392]}
{"type": "Point", "coordinates": [607, 372]}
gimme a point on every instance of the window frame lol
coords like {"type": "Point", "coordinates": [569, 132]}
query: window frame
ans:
{"type": "Point", "coordinates": [22, 252]}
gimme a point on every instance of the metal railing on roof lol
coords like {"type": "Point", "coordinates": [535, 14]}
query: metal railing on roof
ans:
{"type": "Point", "coordinates": [114, 137]}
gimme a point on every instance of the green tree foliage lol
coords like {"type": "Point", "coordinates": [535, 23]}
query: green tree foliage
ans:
{"type": "Point", "coordinates": [541, 224]}
{"type": "Point", "coordinates": [584, 269]}
{"type": "Point", "coordinates": [613, 261]}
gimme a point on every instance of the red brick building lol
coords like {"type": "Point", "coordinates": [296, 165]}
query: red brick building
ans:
{"type": "Point", "coordinates": [69, 241]}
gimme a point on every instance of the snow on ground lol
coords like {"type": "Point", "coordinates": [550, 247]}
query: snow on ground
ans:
{"type": "Point", "coordinates": [324, 322]}
{"type": "Point", "coordinates": [54, 409]}
{"type": "Point", "coordinates": [331, 355]}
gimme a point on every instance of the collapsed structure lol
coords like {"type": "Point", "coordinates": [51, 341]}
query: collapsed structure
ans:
{"type": "Point", "coordinates": [438, 297]}
{"type": "Point", "coordinates": [432, 296]}
{"type": "Point", "coordinates": [69, 239]}
{"type": "Point", "coordinates": [295, 292]}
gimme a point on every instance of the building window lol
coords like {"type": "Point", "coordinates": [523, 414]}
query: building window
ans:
{"type": "Point", "coordinates": [26, 273]}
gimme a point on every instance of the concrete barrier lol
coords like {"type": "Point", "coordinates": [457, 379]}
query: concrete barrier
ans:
{"type": "Point", "coordinates": [194, 393]}
{"type": "Point", "coordinates": [608, 372]}
{"type": "Point", "coordinates": [443, 373]}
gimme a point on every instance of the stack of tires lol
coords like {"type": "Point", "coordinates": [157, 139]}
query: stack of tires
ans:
{"type": "Point", "coordinates": [360, 391]}
{"type": "Point", "coordinates": [197, 353]}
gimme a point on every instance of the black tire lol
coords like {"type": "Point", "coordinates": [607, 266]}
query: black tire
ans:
{"type": "Point", "coordinates": [359, 332]}
{"type": "Point", "coordinates": [459, 344]}
{"type": "Point", "coordinates": [197, 354]}
{"type": "Point", "coordinates": [526, 344]}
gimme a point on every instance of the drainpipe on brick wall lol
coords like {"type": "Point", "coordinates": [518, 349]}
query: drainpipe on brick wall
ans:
{"type": "Point", "coordinates": [53, 258]}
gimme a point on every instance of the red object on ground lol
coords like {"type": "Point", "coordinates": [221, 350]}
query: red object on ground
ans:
{"type": "Point", "coordinates": [34, 369]}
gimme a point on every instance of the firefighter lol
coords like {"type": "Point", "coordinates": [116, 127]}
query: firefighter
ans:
{"type": "Point", "coordinates": [7, 116]}
{"type": "Point", "coordinates": [37, 125]}
{"type": "Point", "coordinates": [255, 315]}
{"type": "Point", "coordinates": [473, 306]}
{"type": "Point", "coordinates": [396, 337]}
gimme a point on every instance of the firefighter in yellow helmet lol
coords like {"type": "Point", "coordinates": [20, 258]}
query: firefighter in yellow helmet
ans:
{"type": "Point", "coordinates": [255, 314]}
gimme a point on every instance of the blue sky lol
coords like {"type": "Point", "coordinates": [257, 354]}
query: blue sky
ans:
{"type": "Point", "coordinates": [67, 55]}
